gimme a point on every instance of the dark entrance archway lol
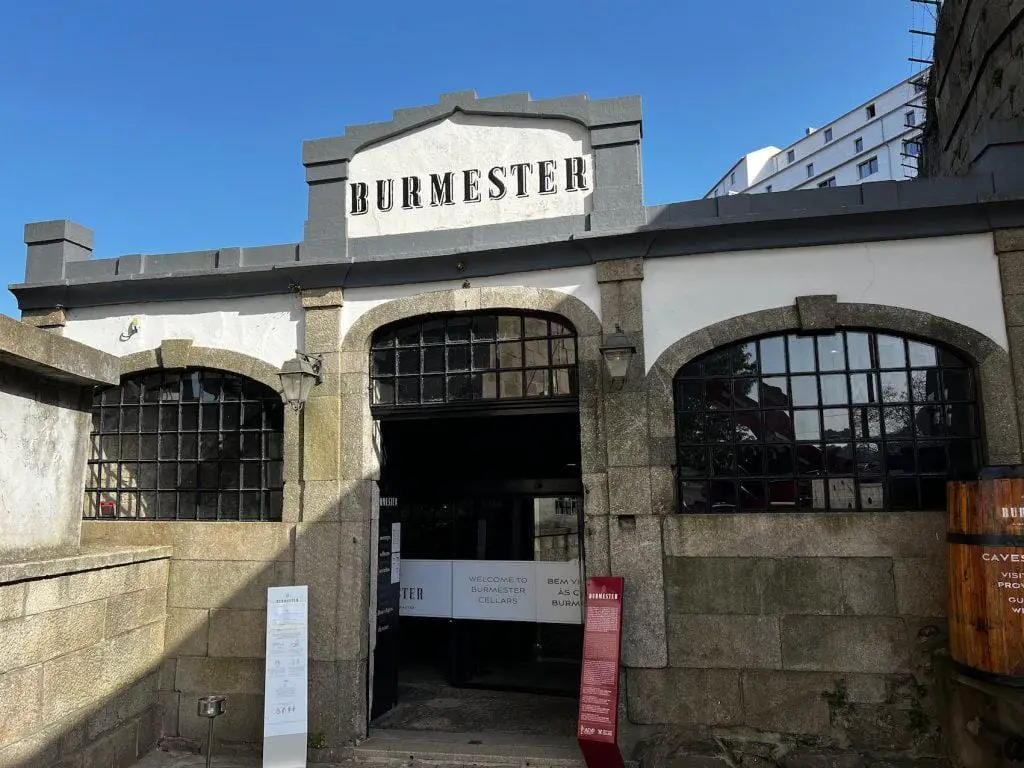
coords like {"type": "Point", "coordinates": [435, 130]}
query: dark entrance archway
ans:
{"type": "Point", "coordinates": [481, 494]}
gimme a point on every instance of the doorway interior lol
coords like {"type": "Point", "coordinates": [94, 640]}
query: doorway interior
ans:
{"type": "Point", "coordinates": [491, 494]}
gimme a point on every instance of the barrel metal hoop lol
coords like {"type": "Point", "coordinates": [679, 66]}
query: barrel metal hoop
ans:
{"type": "Point", "coordinates": [986, 539]}
{"type": "Point", "coordinates": [988, 677]}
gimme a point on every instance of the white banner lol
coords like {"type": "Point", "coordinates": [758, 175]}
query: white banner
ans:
{"type": "Point", "coordinates": [285, 702]}
{"type": "Point", "coordinates": [494, 590]}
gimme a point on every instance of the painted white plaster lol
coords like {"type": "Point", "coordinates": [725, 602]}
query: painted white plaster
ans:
{"type": "Point", "coordinates": [266, 327]}
{"type": "Point", "coordinates": [580, 282]}
{"type": "Point", "coordinates": [41, 474]}
{"type": "Point", "coordinates": [462, 142]}
{"type": "Point", "coordinates": [953, 277]}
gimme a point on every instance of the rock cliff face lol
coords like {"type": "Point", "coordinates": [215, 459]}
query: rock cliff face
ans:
{"type": "Point", "coordinates": [976, 93]}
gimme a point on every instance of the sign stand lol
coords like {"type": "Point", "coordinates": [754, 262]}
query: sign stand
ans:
{"type": "Point", "coordinates": [598, 727]}
{"type": "Point", "coordinates": [285, 721]}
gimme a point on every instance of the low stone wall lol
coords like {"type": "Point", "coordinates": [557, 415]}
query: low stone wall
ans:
{"type": "Point", "coordinates": [815, 626]}
{"type": "Point", "coordinates": [81, 640]}
{"type": "Point", "coordinates": [216, 617]}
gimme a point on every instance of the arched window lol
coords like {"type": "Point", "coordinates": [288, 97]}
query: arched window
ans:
{"type": "Point", "coordinates": [848, 420]}
{"type": "Point", "coordinates": [459, 359]}
{"type": "Point", "coordinates": [186, 445]}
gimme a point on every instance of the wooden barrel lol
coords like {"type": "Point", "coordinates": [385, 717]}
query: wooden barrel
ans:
{"type": "Point", "coordinates": [985, 540]}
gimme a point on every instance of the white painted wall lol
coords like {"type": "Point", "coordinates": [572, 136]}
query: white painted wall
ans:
{"type": "Point", "coordinates": [266, 327]}
{"type": "Point", "coordinates": [580, 282]}
{"type": "Point", "coordinates": [479, 142]}
{"type": "Point", "coordinates": [41, 473]}
{"type": "Point", "coordinates": [953, 277]}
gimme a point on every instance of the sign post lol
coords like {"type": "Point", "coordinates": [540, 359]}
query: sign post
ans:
{"type": "Point", "coordinates": [598, 727]}
{"type": "Point", "coordinates": [285, 696]}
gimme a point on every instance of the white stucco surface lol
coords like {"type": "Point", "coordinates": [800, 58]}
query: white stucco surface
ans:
{"type": "Point", "coordinates": [265, 327]}
{"type": "Point", "coordinates": [953, 277]}
{"type": "Point", "coordinates": [481, 142]}
{"type": "Point", "coordinates": [579, 282]}
{"type": "Point", "coordinates": [41, 474]}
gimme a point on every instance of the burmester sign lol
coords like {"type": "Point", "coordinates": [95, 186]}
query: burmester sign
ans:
{"type": "Point", "coordinates": [469, 171]}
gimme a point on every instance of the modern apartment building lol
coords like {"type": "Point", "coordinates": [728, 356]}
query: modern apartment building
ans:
{"type": "Point", "coordinates": [877, 141]}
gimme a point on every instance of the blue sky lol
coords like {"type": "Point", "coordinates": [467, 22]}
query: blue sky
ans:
{"type": "Point", "coordinates": [178, 126]}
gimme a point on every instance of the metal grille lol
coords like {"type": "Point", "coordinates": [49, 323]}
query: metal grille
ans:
{"type": "Point", "coordinates": [851, 420]}
{"type": "Point", "coordinates": [466, 358]}
{"type": "Point", "coordinates": [188, 445]}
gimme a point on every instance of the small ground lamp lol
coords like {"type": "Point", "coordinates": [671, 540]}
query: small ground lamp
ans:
{"type": "Point", "coordinates": [298, 377]}
{"type": "Point", "coordinates": [618, 352]}
{"type": "Point", "coordinates": [210, 707]}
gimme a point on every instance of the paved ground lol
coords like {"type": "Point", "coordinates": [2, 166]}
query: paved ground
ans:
{"type": "Point", "coordinates": [159, 759]}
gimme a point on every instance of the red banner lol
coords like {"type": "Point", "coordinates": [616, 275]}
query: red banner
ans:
{"type": "Point", "coordinates": [598, 727]}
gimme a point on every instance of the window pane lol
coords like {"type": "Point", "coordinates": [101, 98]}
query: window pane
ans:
{"type": "Point", "coordinates": [483, 356]}
{"type": "Point", "coordinates": [804, 389]}
{"type": "Point", "coordinates": [408, 361]}
{"type": "Point", "coordinates": [409, 336]}
{"type": "Point", "coordinates": [837, 423]}
{"type": "Point", "coordinates": [718, 394]}
{"type": "Point", "coordinates": [746, 393]}
{"type": "Point", "coordinates": [693, 461]}
{"type": "Point", "coordinates": [537, 382]}
{"type": "Point", "coordinates": [535, 327]}
{"type": "Point", "coordinates": [773, 355]}
{"type": "Point", "coordinates": [867, 422]}
{"type": "Point", "coordinates": [689, 395]}
{"type": "Point", "coordinates": [459, 328]}
{"type": "Point", "coordinates": [831, 355]}
{"type": "Point", "coordinates": [563, 352]}
{"type": "Point", "coordinates": [801, 354]}
{"type": "Point", "coordinates": [895, 388]}
{"type": "Point", "coordinates": [485, 327]}
{"type": "Point", "coordinates": [859, 350]}
{"type": "Point", "coordinates": [510, 384]}
{"type": "Point", "coordinates": [408, 390]}
{"type": "Point", "coordinates": [563, 381]}
{"type": "Point", "coordinates": [458, 358]}
{"type": "Point", "coordinates": [891, 353]}
{"type": "Point", "coordinates": [510, 355]}
{"type": "Point", "coordinates": [775, 391]}
{"type": "Point", "coordinates": [536, 352]}
{"type": "Point", "coordinates": [806, 424]}
{"type": "Point", "coordinates": [433, 360]}
{"type": "Point", "coordinates": [460, 387]}
{"type": "Point", "coordinates": [433, 331]}
{"type": "Point", "coordinates": [485, 385]}
{"type": "Point", "coordinates": [833, 390]}
{"type": "Point", "coordinates": [509, 328]}
{"type": "Point", "coordinates": [864, 388]}
{"type": "Point", "coordinates": [922, 355]}
{"type": "Point", "coordinates": [957, 385]}
{"type": "Point", "coordinates": [433, 389]}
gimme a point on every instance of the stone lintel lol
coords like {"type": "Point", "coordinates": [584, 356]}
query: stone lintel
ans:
{"type": "Point", "coordinates": [817, 313]}
{"type": "Point", "coordinates": [322, 298]}
{"type": "Point", "coordinates": [620, 269]}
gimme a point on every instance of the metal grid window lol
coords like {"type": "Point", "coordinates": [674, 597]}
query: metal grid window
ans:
{"type": "Point", "coordinates": [851, 420]}
{"type": "Point", "coordinates": [466, 358]}
{"type": "Point", "coordinates": [187, 445]}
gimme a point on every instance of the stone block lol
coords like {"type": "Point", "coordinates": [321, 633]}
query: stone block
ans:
{"type": "Point", "coordinates": [45, 636]}
{"type": "Point", "coordinates": [620, 269]}
{"type": "Point", "coordinates": [12, 601]}
{"type": "Point", "coordinates": [802, 585]}
{"type": "Point", "coordinates": [663, 491]}
{"type": "Point", "coordinates": [322, 297]}
{"type": "Point", "coordinates": [322, 439]}
{"type": "Point", "coordinates": [817, 313]}
{"type": "Point", "coordinates": [72, 681]}
{"type": "Point", "coordinates": [625, 415]}
{"type": "Point", "coordinates": [321, 501]}
{"type": "Point", "coordinates": [231, 541]}
{"type": "Point", "coordinates": [174, 353]}
{"type": "Point", "coordinates": [167, 669]}
{"type": "Point", "coordinates": [20, 703]}
{"type": "Point", "coordinates": [728, 642]}
{"type": "Point", "coordinates": [868, 587]}
{"type": "Point", "coordinates": [36, 751]}
{"type": "Point", "coordinates": [123, 706]}
{"type": "Point", "coordinates": [786, 702]}
{"type": "Point", "coordinates": [713, 585]}
{"type": "Point", "coordinates": [1009, 240]}
{"type": "Point", "coordinates": [317, 565]}
{"type": "Point", "coordinates": [596, 561]}
{"type": "Point", "coordinates": [242, 720]}
{"type": "Point", "coordinates": [635, 553]}
{"type": "Point", "coordinates": [133, 609]}
{"type": "Point", "coordinates": [323, 330]}
{"type": "Point", "coordinates": [238, 633]}
{"type": "Point", "coordinates": [1013, 304]}
{"type": "Point", "coordinates": [188, 631]}
{"type": "Point", "coordinates": [225, 675]}
{"type": "Point", "coordinates": [353, 597]}
{"type": "Point", "coordinates": [58, 592]}
{"type": "Point", "coordinates": [866, 689]}
{"type": "Point", "coordinates": [595, 489]}
{"type": "Point", "coordinates": [150, 574]}
{"type": "Point", "coordinates": [689, 697]}
{"type": "Point", "coordinates": [168, 703]}
{"type": "Point", "coordinates": [775, 534]}
{"type": "Point", "coordinates": [133, 655]}
{"type": "Point", "coordinates": [117, 749]}
{"type": "Point", "coordinates": [629, 491]}
{"type": "Point", "coordinates": [921, 586]}
{"type": "Point", "coordinates": [149, 730]}
{"type": "Point", "coordinates": [844, 643]}
{"type": "Point", "coordinates": [237, 584]}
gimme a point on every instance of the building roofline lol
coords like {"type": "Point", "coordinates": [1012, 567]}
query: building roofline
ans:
{"type": "Point", "coordinates": [861, 213]}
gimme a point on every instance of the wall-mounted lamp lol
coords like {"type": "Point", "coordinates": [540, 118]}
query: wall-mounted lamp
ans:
{"type": "Point", "coordinates": [618, 351]}
{"type": "Point", "coordinates": [298, 377]}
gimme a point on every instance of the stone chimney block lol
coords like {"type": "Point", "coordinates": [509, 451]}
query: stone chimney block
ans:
{"type": "Point", "coordinates": [51, 245]}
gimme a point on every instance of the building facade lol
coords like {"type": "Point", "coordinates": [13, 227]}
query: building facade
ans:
{"type": "Point", "coordinates": [807, 372]}
{"type": "Point", "coordinates": [880, 140]}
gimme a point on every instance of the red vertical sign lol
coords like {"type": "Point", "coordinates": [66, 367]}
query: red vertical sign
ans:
{"type": "Point", "coordinates": [598, 728]}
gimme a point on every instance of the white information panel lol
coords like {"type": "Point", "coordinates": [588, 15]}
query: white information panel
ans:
{"type": "Point", "coordinates": [495, 590]}
{"type": "Point", "coordinates": [285, 702]}
{"type": "Point", "coordinates": [426, 589]}
{"type": "Point", "coordinates": [396, 553]}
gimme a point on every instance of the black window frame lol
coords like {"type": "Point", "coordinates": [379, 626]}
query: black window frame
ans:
{"type": "Point", "coordinates": [194, 444]}
{"type": "Point", "coordinates": [560, 385]}
{"type": "Point", "coordinates": [755, 451]}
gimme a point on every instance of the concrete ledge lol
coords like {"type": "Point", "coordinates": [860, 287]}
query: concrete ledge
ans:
{"type": "Point", "coordinates": [90, 558]}
{"type": "Point", "coordinates": [54, 356]}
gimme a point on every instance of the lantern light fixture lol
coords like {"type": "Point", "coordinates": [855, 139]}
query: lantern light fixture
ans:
{"type": "Point", "coordinates": [298, 377]}
{"type": "Point", "coordinates": [618, 352]}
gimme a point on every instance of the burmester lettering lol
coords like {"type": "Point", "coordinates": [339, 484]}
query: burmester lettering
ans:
{"type": "Point", "coordinates": [469, 186]}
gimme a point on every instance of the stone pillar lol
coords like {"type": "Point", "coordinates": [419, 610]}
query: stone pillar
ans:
{"type": "Point", "coordinates": [52, 320]}
{"type": "Point", "coordinates": [328, 548]}
{"type": "Point", "coordinates": [634, 528]}
{"type": "Point", "coordinates": [1009, 246]}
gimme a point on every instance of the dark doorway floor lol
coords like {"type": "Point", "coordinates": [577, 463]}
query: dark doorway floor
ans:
{"type": "Point", "coordinates": [435, 706]}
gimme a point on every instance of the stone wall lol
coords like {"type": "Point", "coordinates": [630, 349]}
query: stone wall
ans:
{"type": "Point", "coordinates": [800, 624]}
{"type": "Point", "coordinates": [976, 93]}
{"type": "Point", "coordinates": [216, 617]}
{"type": "Point", "coordinates": [81, 641]}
